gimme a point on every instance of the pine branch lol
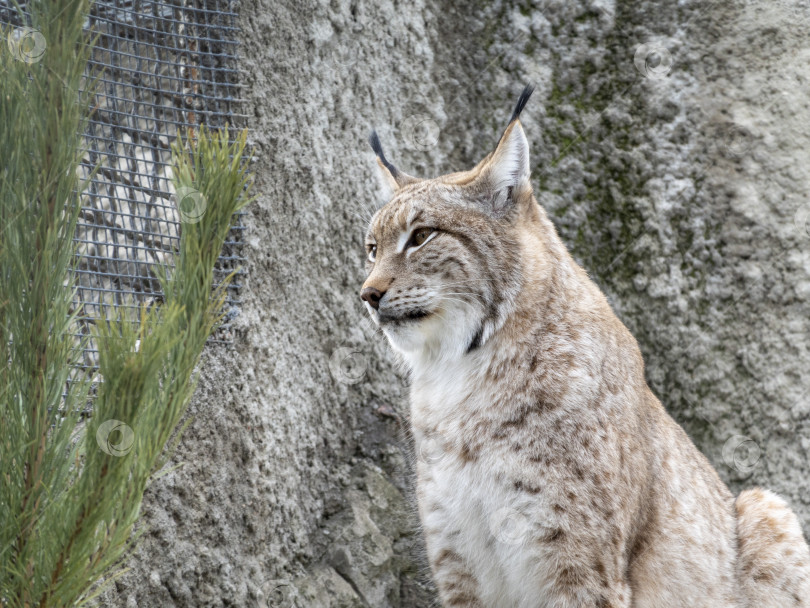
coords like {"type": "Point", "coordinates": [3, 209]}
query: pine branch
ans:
{"type": "Point", "coordinates": [69, 494]}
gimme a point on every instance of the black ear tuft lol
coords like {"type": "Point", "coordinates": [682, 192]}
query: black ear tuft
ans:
{"type": "Point", "coordinates": [524, 97]}
{"type": "Point", "coordinates": [374, 140]}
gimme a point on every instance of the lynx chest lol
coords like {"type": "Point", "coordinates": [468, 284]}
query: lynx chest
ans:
{"type": "Point", "coordinates": [469, 504]}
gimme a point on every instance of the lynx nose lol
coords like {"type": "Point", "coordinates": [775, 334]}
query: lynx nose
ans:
{"type": "Point", "coordinates": [372, 295]}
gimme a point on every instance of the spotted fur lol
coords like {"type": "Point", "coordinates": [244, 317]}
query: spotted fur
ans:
{"type": "Point", "coordinates": [548, 474]}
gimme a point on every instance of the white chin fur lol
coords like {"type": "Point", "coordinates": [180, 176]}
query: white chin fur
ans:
{"type": "Point", "coordinates": [443, 335]}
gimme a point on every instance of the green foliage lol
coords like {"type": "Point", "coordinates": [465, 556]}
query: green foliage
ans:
{"type": "Point", "coordinates": [70, 487]}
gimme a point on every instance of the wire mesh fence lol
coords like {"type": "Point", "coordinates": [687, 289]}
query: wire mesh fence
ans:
{"type": "Point", "coordinates": [163, 69]}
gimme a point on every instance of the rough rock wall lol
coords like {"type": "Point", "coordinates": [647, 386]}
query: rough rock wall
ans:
{"type": "Point", "coordinates": [676, 172]}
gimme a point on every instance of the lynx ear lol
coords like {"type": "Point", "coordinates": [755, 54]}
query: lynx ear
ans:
{"type": "Point", "coordinates": [392, 178]}
{"type": "Point", "coordinates": [506, 170]}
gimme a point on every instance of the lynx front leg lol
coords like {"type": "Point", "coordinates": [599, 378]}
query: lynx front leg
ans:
{"type": "Point", "coordinates": [455, 580]}
{"type": "Point", "coordinates": [574, 572]}
{"type": "Point", "coordinates": [774, 557]}
{"type": "Point", "coordinates": [584, 593]}
{"type": "Point", "coordinates": [458, 588]}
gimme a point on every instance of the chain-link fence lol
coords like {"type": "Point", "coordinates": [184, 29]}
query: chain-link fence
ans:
{"type": "Point", "coordinates": [163, 69]}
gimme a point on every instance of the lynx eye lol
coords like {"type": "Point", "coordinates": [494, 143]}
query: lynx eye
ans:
{"type": "Point", "coordinates": [372, 252]}
{"type": "Point", "coordinates": [419, 237]}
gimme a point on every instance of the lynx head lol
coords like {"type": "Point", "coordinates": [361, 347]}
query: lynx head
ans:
{"type": "Point", "coordinates": [443, 255]}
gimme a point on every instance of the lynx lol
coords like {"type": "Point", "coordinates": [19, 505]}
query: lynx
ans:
{"type": "Point", "coordinates": [548, 474]}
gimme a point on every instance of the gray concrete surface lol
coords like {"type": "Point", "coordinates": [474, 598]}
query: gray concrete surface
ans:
{"type": "Point", "coordinates": [677, 172]}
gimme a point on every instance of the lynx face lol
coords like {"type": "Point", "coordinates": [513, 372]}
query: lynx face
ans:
{"type": "Point", "coordinates": [439, 267]}
{"type": "Point", "coordinates": [443, 255]}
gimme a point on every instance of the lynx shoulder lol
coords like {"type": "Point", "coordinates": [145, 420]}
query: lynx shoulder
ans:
{"type": "Point", "coordinates": [548, 474]}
